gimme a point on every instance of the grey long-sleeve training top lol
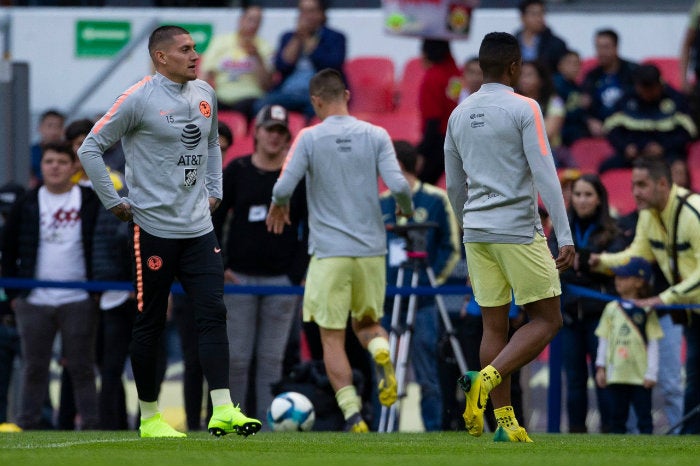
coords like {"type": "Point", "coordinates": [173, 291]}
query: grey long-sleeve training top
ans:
{"type": "Point", "coordinates": [342, 158]}
{"type": "Point", "coordinates": [496, 143]}
{"type": "Point", "coordinates": [169, 133]}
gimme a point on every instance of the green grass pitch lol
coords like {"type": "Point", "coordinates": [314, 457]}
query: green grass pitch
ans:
{"type": "Point", "coordinates": [339, 449]}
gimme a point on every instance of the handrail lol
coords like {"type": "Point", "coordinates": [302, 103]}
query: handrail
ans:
{"type": "Point", "coordinates": [109, 69]}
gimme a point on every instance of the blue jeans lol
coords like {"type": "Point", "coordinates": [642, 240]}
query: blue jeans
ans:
{"type": "Point", "coordinates": [579, 345]}
{"type": "Point", "coordinates": [424, 360]}
{"type": "Point", "coordinates": [9, 349]}
{"type": "Point", "coordinates": [692, 375]}
{"type": "Point", "coordinates": [292, 102]}
{"type": "Point", "coordinates": [669, 379]}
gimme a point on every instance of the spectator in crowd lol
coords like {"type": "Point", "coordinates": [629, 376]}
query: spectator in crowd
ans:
{"type": "Point", "coordinates": [575, 101]}
{"type": "Point", "coordinates": [667, 217]}
{"type": "Point", "coordinates": [9, 336]}
{"type": "Point", "coordinates": [669, 382]}
{"type": "Point", "coordinates": [443, 248]}
{"type": "Point", "coordinates": [437, 97]}
{"type": "Point", "coordinates": [347, 272]}
{"type": "Point", "coordinates": [537, 41]}
{"type": "Point", "coordinates": [627, 360]}
{"type": "Point", "coordinates": [50, 130]}
{"type": "Point", "coordinates": [75, 133]}
{"type": "Point", "coordinates": [472, 78]}
{"type": "Point", "coordinates": [309, 48]}
{"type": "Point", "coordinates": [690, 55]}
{"type": "Point", "coordinates": [652, 121]}
{"type": "Point", "coordinates": [48, 236]}
{"type": "Point", "coordinates": [225, 138]}
{"type": "Point", "coordinates": [594, 231]}
{"type": "Point", "coordinates": [605, 84]}
{"type": "Point", "coordinates": [238, 64]}
{"type": "Point", "coordinates": [259, 325]}
{"type": "Point", "coordinates": [536, 83]}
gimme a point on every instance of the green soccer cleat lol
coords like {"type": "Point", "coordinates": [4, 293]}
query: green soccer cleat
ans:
{"type": "Point", "coordinates": [229, 419]}
{"type": "Point", "coordinates": [519, 434]}
{"type": "Point", "coordinates": [156, 427]}
{"type": "Point", "coordinates": [475, 402]}
{"type": "Point", "coordinates": [356, 424]}
{"type": "Point", "coordinates": [387, 379]}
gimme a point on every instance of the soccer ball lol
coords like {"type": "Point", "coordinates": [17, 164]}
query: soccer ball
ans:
{"type": "Point", "coordinates": [291, 412]}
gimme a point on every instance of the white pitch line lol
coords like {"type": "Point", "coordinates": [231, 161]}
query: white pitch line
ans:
{"type": "Point", "coordinates": [69, 444]}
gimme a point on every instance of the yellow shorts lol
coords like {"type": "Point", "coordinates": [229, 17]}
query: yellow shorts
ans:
{"type": "Point", "coordinates": [528, 270]}
{"type": "Point", "coordinates": [338, 285]}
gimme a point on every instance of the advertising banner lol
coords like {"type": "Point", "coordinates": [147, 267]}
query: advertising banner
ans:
{"type": "Point", "coordinates": [434, 19]}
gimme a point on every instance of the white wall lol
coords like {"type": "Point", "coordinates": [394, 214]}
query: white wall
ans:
{"type": "Point", "coordinates": [44, 37]}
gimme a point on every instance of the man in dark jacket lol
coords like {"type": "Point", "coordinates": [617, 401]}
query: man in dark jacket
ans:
{"type": "Point", "coordinates": [48, 236]}
{"type": "Point", "coordinates": [605, 84]}
{"type": "Point", "coordinates": [537, 41]}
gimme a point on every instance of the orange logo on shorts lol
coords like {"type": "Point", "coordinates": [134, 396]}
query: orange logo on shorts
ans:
{"type": "Point", "coordinates": [155, 263]}
{"type": "Point", "coordinates": [205, 108]}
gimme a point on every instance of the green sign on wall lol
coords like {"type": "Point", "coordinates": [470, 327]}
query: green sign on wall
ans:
{"type": "Point", "coordinates": [101, 38]}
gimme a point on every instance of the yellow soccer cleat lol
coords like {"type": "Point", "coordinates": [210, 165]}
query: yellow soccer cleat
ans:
{"type": "Point", "coordinates": [516, 434]}
{"type": "Point", "coordinates": [475, 404]}
{"type": "Point", "coordinates": [356, 424]}
{"type": "Point", "coordinates": [9, 427]}
{"type": "Point", "coordinates": [156, 427]}
{"type": "Point", "coordinates": [387, 380]}
{"type": "Point", "coordinates": [229, 419]}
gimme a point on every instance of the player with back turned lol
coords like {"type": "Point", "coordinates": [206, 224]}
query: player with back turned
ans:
{"type": "Point", "coordinates": [497, 159]}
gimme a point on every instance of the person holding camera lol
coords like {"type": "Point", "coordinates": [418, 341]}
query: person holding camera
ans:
{"type": "Point", "coordinates": [442, 246]}
{"type": "Point", "coordinates": [594, 231]}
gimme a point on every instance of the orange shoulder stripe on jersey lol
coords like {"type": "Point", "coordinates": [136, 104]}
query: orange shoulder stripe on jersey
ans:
{"type": "Point", "coordinates": [539, 126]}
{"type": "Point", "coordinates": [108, 116]}
{"type": "Point", "coordinates": [291, 149]}
{"type": "Point", "coordinates": [139, 267]}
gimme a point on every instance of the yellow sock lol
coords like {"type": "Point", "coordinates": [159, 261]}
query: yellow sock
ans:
{"type": "Point", "coordinates": [377, 344]}
{"type": "Point", "coordinates": [505, 417]}
{"type": "Point", "coordinates": [490, 378]}
{"type": "Point", "coordinates": [348, 401]}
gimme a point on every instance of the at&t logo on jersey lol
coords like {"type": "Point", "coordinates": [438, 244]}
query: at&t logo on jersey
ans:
{"type": "Point", "coordinates": [191, 135]}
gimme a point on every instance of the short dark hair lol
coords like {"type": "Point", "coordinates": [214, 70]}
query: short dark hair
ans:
{"type": "Point", "coordinates": [657, 167]}
{"type": "Point", "coordinates": [647, 75]}
{"type": "Point", "coordinates": [52, 112]}
{"type": "Point", "coordinates": [610, 33]}
{"type": "Point", "coordinates": [62, 147]}
{"type": "Point", "coordinates": [436, 50]}
{"type": "Point", "coordinates": [77, 128]}
{"type": "Point", "coordinates": [406, 154]}
{"type": "Point", "coordinates": [327, 84]}
{"type": "Point", "coordinates": [225, 132]}
{"type": "Point", "coordinates": [163, 34]}
{"type": "Point", "coordinates": [497, 51]}
{"type": "Point", "coordinates": [525, 4]}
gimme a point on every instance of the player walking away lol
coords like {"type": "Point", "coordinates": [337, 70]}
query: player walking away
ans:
{"type": "Point", "coordinates": [341, 158]}
{"type": "Point", "coordinates": [496, 147]}
{"type": "Point", "coordinates": [168, 126]}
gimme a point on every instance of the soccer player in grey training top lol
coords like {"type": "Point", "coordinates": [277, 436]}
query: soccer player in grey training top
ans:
{"type": "Point", "coordinates": [341, 158]}
{"type": "Point", "coordinates": [497, 158]}
{"type": "Point", "coordinates": [169, 130]}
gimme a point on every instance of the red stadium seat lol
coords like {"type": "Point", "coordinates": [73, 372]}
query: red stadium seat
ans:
{"type": "Point", "coordinates": [669, 68]}
{"type": "Point", "coordinates": [297, 121]}
{"type": "Point", "coordinates": [587, 64]}
{"type": "Point", "coordinates": [399, 125]}
{"type": "Point", "coordinates": [371, 83]}
{"type": "Point", "coordinates": [693, 162]}
{"type": "Point", "coordinates": [588, 153]}
{"type": "Point", "coordinates": [618, 183]}
{"type": "Point", "coordinates": [236, 121]}
{"type": "Point", "coordinates": [409, 84]}
{"type": "Point", "coordinates": [241, 146]}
